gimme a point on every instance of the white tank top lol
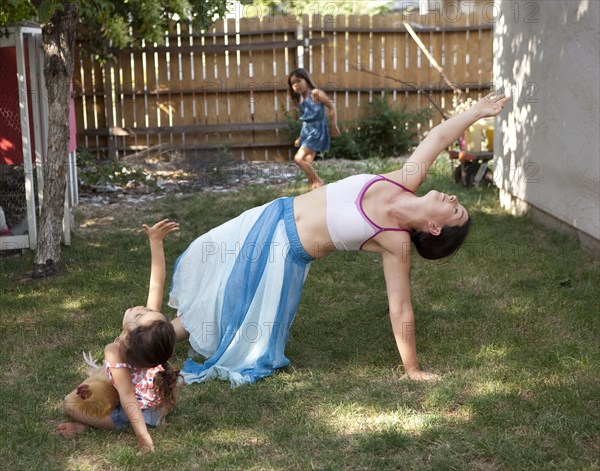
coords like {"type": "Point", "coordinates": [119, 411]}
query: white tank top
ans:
{"type": "Point", "coordinates": [348, 225]}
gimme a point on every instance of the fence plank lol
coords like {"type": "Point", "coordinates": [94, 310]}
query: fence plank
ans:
{"type": "Point", "coordinates": [247, 102]}
{"type": "Point", "coordinates": [486, 57]}
{"type": "Point", "coordinates": [386, 53]}
{"type": "Point", "coordinates": [337, 78]}
{"type": "Point", "coordinates": [152, 95]}
{"type": "Point", "coordinates": [188, 80]}
{"type": "Point", "coordinates": [140, 91]}
{"type": "Point", "coordinates": [124, 86]}
{"type": "Point", "coordinates": [377, 57]}
{"type": "Point", "coordinates": [82, 81]}
{"type": "Point", "coordinates": [262, 71]}
{"type": "Point", "coordinates": [77, 88]}
{"type": "Point", "coordinates": [280, 72]}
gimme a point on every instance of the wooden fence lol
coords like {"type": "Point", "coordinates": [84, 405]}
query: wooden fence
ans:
{"type": "Point", "coordinates": [228, 87]}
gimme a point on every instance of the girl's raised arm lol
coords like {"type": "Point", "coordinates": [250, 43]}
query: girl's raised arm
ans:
{"type": "Point", "coordinates": [156, 235]}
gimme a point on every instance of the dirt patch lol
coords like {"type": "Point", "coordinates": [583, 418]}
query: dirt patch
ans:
{"type": "Point", "coordinates": [175, 177]}
{"type": "Point", "coordinates": [166, 170]}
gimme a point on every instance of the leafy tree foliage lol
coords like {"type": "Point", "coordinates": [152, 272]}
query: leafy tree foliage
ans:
{"type": "Point", "coordinates": [114, 24]}
{"type": "Point", "coordinates": [16, 10]}
{"type": "Point", "coordinates": [107, 24]}
{"type": "Point", "coordinates": [117, 24]}
{"type": "Point", "coordinates": [316, 7]}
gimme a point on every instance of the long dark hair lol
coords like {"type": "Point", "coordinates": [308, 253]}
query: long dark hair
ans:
{"type": "Point", "coordinates": [303, 74]}
{"type": "Point", "coordinates": [446, 243]}
{"type": "Point", "coordinates": [151, 345]}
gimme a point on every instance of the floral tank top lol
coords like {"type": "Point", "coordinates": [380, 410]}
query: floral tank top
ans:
{"type": "Point", "coordinates": [143, 381]}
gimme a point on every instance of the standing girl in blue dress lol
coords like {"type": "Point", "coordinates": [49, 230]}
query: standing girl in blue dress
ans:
{"type": "Point", "coordinates": [314, 136]}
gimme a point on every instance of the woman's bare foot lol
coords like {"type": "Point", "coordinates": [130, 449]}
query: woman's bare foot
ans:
{"type": "Point", "coordinates": [68, 429]}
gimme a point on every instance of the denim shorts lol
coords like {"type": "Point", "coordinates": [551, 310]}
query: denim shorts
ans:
{"type": "Point", "coordinates": [120, 419]}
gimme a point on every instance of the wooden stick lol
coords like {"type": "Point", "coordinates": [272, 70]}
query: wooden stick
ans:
{"type": "Point", "coordinates": [432, 60]}
{"type": "Point", "coordinates": [410, 85]}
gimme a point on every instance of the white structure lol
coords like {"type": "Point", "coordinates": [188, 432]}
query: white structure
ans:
{"type": "Point", "coordinates": [547, 55]}
{"type": "Point", "coordinates": [26, 39]}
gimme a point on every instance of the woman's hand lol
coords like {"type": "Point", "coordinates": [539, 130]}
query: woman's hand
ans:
{"type": "Point", "coordinates": [491, 105]}
{"type": "Point", "coordinates": [297, 143]}
{"type": "Point", "coordinates": [159, 231]}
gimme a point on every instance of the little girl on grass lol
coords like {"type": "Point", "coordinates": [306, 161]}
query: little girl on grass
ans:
{"type": "Point", "coordinates": [136, 361]}
{"type": "Point", "coordinates": [314, 136]}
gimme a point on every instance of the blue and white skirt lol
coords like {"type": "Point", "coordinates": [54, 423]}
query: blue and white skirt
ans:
{"type": "Point", "coordinates": [237, 289]}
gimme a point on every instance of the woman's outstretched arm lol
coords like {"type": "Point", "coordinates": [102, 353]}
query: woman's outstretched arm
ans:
{"type": "Point", "coordinates": [414, 171]}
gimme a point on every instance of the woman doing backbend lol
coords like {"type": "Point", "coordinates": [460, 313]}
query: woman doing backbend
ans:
{"type": "Point", "coordinates": [237, 287]}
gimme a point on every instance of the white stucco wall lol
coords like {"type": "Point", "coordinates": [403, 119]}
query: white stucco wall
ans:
{"type": "Point", "coordinates": [547, 54]}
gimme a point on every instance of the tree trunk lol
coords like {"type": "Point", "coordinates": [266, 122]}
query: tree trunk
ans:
{"type": "Point", "coordinates": [58, 37]}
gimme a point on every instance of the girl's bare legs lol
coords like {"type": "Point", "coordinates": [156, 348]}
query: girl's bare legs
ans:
{"type": "Point", "coordinates": [81, 421]}
{"type": "Point", "coordinates": [68, 429]}
{"type": "Point", "coordinates": [304, 159]}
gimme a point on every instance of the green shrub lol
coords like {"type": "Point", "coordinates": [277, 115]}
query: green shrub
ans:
{"type": "Point", "coordinates": [388, 130]}
{"type": "Point", "coordinates": [347, 145]}
{"type": "Point", "coordinates": [293, 126]}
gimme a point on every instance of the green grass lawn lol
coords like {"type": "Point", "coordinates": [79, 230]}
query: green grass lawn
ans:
{"type": "Point", "coordinates": [512, 325]}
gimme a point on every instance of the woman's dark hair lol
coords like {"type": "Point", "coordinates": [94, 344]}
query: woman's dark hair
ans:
{"type": "Point", "coordinates": [151, 345]}
{"type": "Point", "coordinates": [303, 74]}
{"type": "Point", "coordinates": [446, 243]}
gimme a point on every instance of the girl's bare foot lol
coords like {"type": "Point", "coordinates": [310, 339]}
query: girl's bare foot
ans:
{"type": "Point", "coordinates": [317, 184]}
{"type": "Point", "coordinates": [68, 429]}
